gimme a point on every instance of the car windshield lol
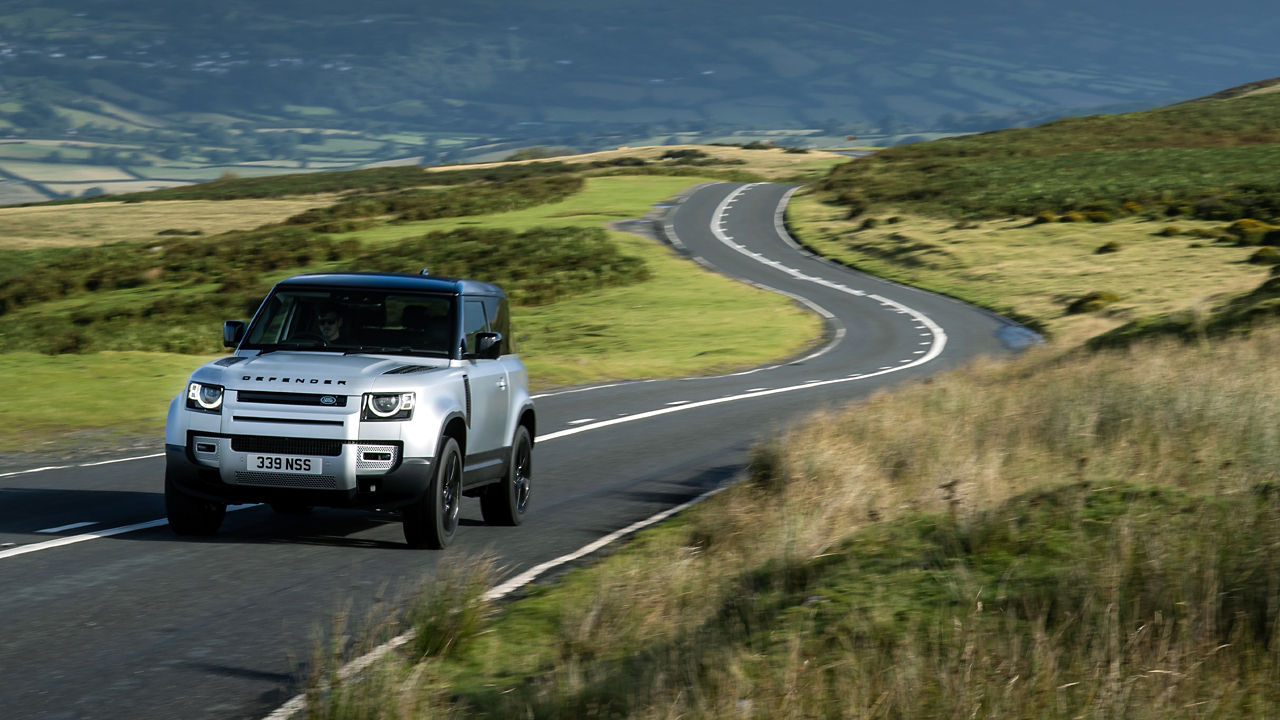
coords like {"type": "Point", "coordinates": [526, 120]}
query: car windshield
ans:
{"type": "Point", "coordinates": [355, 321]}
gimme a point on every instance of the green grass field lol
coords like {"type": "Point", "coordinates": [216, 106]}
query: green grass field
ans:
{"type": "Point", "coordinates": [653, 328]}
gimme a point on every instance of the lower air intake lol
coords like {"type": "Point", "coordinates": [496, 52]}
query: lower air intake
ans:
{"type": "Point", "coordinates": [311, 482]}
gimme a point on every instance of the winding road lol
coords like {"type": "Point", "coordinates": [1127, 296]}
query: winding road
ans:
{"type": "Point", "coordinates": [107, 614]}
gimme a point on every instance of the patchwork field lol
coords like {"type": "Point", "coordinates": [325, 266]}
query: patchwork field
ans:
{"type": "Point", "coordinates": [54, 226]}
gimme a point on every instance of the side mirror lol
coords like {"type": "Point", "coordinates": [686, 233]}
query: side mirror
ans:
{"type": "Point", "coordinates": [232, 333]}
{"type": "Point", "coordinates": [488, 345]}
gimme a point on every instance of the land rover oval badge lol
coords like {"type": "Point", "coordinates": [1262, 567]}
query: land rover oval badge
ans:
{"type": "Point", "coordinates": [328, 400]}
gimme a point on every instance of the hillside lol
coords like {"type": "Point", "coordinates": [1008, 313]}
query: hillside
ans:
{"type": "Point", "coordinates": [1160, 221]}
{"type": "Point", "coordinates": [162, 94]}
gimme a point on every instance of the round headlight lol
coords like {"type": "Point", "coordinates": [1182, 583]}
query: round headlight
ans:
{"type": "Point", "coordinates": [384, 405]}
{"type": "Point", "coordinates": [208, 397]}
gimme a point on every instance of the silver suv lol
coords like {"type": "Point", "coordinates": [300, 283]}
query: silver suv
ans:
{"type": "Point", "coordinates": [359, 390]}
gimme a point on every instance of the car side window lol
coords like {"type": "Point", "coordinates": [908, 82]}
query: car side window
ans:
{"type": "Point", "coordinates": [500, 322]}
{"type": "Point", "coordinates": [473, 321]}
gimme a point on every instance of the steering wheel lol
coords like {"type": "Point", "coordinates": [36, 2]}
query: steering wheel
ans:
{"type": "Point", "coordinates": [309, 335]}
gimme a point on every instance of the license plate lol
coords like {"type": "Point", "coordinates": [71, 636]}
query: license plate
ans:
{"type": "Point", "coordinates": [285, 464]}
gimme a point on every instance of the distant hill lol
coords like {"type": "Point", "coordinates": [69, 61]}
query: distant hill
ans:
{"type": "Point", "coordinates": [1260, 87]}
{"type": "Point", "coordinates": [177, 77]}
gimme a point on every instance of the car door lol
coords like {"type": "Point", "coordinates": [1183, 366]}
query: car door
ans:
{"type": "Point", "coordinates": [489, 392]}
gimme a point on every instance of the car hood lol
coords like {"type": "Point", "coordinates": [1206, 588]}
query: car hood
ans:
{"type": "Point", "coordinates": [284, 371]}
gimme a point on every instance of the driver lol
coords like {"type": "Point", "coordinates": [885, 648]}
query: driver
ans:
{"type": "Point", "coordinates": [330, 322]}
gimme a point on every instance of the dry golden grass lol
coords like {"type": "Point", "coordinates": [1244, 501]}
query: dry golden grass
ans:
{"type": "Point", "coordinates": [65, 173]}
{"type": "Point", "coordinates": [43, 226]}
{"type": "Point", "coordinates": [774, 163]}
{"type": "Point", "coordinates": [695, 622]}
{"type": "Point", "coordinates": [1035, 271]}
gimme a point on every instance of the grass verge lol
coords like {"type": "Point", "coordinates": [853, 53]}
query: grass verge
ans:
{"type": "Point", "coordinates": [59, 404]}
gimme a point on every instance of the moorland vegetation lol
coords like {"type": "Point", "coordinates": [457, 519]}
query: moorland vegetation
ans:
{"type": "Point", "coordinates": [1108, 216]}
{"type": "Point", "coordinates": [1060, 537]}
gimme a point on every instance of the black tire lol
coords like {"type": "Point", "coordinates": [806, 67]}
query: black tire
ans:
{"type": "Point", "coordinates": [432, 520]}
{"type": "Point", "coordinates": [190, 515]}
{"type": "Point", "coordinates": [505, 502]}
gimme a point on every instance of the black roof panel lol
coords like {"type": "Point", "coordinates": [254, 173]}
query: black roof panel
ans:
{"type": "Point", "coordinates": [394, 281]}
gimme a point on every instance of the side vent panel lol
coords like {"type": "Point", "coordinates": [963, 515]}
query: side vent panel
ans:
{"type": "Point", "coordinates": [466, 386]}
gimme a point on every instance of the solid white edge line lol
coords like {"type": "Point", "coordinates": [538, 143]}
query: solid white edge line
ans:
{"type": "Point", "coordinates": [298, 703]}
{"type": "Point", "coordinates": [35, 470]}
{"type": "Point", "coordinates": [85, 537]}
{"type": "Point", "coordinates": [28, 471]}
{"type": "Point", "coordinates": [120, 460]}
{"type": "Point", "coordinates": [64, 528]}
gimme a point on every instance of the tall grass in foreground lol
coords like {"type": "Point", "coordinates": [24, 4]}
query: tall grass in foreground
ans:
{"type": "Point", "coordinates": [1095, 535]}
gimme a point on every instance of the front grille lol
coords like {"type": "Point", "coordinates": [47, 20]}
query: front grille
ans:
{"type": "Point", "coordinates": [285, 398]}
{"type": "Point", "coordinates": [311, 482]}
{"type": "Point", "coordinates": [286, 446]}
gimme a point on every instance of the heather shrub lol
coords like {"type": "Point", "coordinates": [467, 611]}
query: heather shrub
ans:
{"type": "Point", "coordinates": [1107, 247]}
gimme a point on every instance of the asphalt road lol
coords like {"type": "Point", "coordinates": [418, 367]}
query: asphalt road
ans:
{"type": "Point", "coordinates": [107, 614]}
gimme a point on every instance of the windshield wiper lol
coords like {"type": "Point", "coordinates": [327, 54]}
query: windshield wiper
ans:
{"type": "Point", "coordinates": [289, 346]}
{"type": "Point", "coordinates": [403, 350]}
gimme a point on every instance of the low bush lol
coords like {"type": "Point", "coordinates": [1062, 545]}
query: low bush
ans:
{"type": "Point", "coordinates": [1266, 256]}
{"type": "Point", "coordinates": [1092, 302]}
{"type": "Point", "coordinates": [1169, 231]}
{"type": "Point", "coordinates": [1110, 246]}
{"type": "Point", "coordinates": [173, 296]}
{"type": "Point", "coordinates": [684, 154]}
{"type": "Point", "coordinates": [434, 203]}
{"type": "Point", "coordinates": [1248, 231]}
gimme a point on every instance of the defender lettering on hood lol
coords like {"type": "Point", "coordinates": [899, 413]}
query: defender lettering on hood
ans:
{"type": "Point", "coordinates": [300, 381]}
